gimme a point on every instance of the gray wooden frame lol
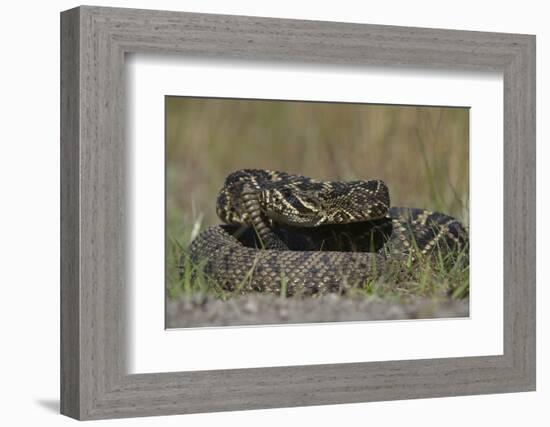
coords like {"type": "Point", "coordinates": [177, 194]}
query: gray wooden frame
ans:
{"type": "Point", "coordinates": [94, 41]}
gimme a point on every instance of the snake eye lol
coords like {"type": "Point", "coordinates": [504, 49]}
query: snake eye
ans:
{"type": "Point", "coordinates": [300, 204]}
{"type": "Point", "coordinates": [286, 193]}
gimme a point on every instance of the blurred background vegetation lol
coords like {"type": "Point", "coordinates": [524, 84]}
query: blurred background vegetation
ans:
{"type": "Point", "coordinates": [420, 152]}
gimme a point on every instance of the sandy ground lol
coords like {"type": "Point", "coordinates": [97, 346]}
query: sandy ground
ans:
{"type": "Point", "coordinates": [261, 309]}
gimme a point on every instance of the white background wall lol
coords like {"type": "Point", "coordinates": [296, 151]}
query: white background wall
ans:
{"type": "Point", "coordinates": [29, 186]}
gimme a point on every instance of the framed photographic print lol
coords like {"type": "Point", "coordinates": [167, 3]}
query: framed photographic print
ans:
{"type": "Point", "coordinates": [349, 208]}
{"type": "Point", "coordinates": [420, 152]}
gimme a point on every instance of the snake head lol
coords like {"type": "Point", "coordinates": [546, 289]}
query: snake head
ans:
{"type": "Point", "coordinates": [295, 207]}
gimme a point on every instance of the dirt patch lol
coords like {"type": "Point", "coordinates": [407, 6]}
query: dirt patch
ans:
{"type": "Point", "coordinates": [261, 309]}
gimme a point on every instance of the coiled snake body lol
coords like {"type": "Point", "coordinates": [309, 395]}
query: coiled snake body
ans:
{"type": "Point", "coordinates": [312, 236]}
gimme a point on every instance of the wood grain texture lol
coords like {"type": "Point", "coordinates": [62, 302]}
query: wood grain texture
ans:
{"type": "Point", "coordinates": [70, 292]}
{"type": "Point", "coordinates": [94, 382]}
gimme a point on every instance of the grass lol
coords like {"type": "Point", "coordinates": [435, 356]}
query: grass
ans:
{"type": "Point", "coordinates": [440, 276]}
{"type": "Point", "coordinates": [420, 152]}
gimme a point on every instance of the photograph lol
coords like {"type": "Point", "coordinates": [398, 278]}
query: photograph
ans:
{"type": "Point", "coordinates": [292, 211]}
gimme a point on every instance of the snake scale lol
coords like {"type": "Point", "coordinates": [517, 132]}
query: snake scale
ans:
{"type": "Point", "coordinates": [313, 237]}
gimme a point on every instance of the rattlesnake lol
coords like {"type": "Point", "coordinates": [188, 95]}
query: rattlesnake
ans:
{"type": "Point", "coordinates": [310, 237]}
